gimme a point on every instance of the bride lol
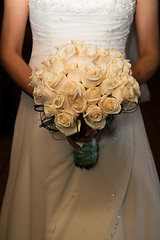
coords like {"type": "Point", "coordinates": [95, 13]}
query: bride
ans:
{"type": "Point", "coordinates": [47, 196]}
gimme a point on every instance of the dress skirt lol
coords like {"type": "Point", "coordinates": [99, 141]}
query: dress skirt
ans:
{"type": "Point", "coordinates": [49, 198]}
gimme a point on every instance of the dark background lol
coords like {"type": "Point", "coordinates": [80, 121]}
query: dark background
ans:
{"type": "Point", "coordinates": [9, 100]}
{"type": "Point", "coordinates": [9, 92]}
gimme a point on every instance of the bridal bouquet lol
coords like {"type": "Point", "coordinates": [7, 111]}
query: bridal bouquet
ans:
{"type": "Point", "coordinates": [83, 84]}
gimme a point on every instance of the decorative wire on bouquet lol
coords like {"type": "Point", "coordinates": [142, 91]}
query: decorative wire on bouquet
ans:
{"type": "Point", "coordinates": [81, 86]}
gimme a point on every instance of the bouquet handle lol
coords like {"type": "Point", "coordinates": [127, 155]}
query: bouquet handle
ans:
{"type": "Point", "coordinates": [87, 155]}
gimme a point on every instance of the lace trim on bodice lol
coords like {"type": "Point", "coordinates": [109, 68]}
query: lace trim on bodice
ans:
{"type": "Point", "coordinates": [82, 6]}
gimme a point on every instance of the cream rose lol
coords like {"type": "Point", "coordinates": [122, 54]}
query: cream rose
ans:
{"type": "Point", "coordinates": [80, 60]}
{"type": "Point", "coordinates": [118, 94]}
{"type": "Point", "coordinates": [136, 89]}
{"type": "Point", "coordinates": [125, 79]}
{"type": "Point", "coordinates": [101, 51]}
{"type": "Point", "coordinates": [114, 53]}
{"type": "Point", "coordinates": [128, 94]}
{"type": "Point", "coordinates": [80, 47]}
{"type": "Point", "coordinates": [131, 79]}
{"type": "Point", "coordinates": [67, 124]}
{"type": "Point", "coordinates": [93, 95]}
{"type": "Point", "coordinates": [79, 105]}
{"type": "Point", "coordinates": [60, 101]}
{"type": "Point", "coordinates": [114, 66]}
{"type": "Point", "coordinates": [109, 105]}
{"type": "Point", "coordinates": [66, 51]}
{"type": "Point", "coordinates": [41, 93]}
{"type": "Point", "coordinates": [54, 81]}
{"type": "Point", "coordinates": [72, 72]}
{"type": "Point", "coordinates": [49, 108]}
{"type": "Point", "coordinates": [126, 66]}
{"type": "Point", "coordinates": [109, 84]}
{"type": "Point", "coordinates": [54, 63]}
{"type": "Point", "coordinates": [94, 117]}
{"type": "Point", "coordinates": [51, 79]}
{"type": "Point", "coordinates": [135, 86]}
{"type": "Point", "coordinates": [91, 50]}
{"type": "Point", "coordinates": [36, 77]}
{"type": "Point", "coordinates": [90, 75]}
{"type": "Point", "coordinates": [73, 89]}
{"type": "Point", "coordinates": [102, 65]}
{"type": "Point", "coordinates": [116, 63]}
{"type": "Point", "coordinates": [47, 61]}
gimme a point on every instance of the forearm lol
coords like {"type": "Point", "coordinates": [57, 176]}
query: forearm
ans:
{"type": "Point", "coordinates": [145, 67]}
{"type": "Point", "coordinates": [18, 70]}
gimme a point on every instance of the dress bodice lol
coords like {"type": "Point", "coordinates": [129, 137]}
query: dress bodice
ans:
{"type": "Point", "coordinates": [103, 22]}
{"type": "Point", "coordinates": [82, 6]}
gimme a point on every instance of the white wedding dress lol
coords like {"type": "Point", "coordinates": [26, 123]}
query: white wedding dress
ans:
{"type": "Point", "coordinates": [47, 196]}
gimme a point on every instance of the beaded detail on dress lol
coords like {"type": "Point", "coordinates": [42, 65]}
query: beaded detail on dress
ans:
{"type": "Point", "coordinates": [82, 6]}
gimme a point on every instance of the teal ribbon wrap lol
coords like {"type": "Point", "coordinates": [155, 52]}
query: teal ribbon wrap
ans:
{"type": "Point", "coordinates": [87, 155]}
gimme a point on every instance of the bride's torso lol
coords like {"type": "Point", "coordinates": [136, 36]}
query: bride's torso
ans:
{"type": "Point", "coordinates": [55, 22]}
